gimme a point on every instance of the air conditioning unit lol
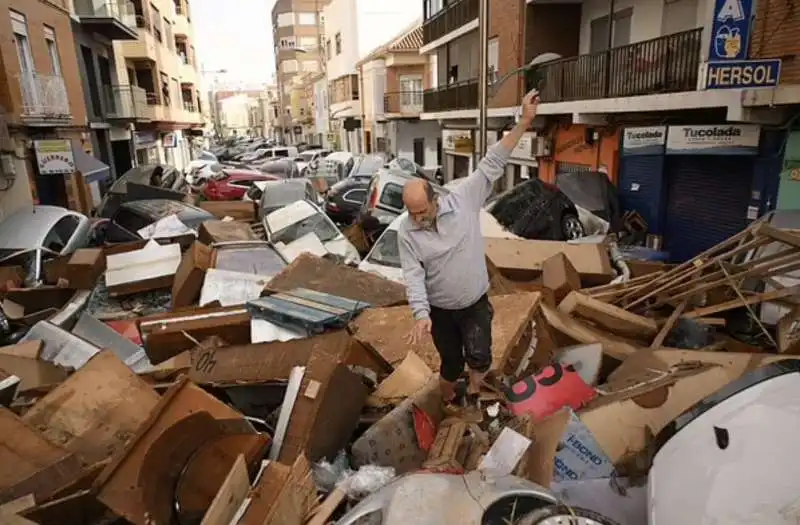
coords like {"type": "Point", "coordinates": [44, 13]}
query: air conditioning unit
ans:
{"type": "Point", "coordinates": [543, 147]}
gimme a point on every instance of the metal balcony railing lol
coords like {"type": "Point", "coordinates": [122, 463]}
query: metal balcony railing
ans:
{"type": "Point", "coordinates": [403, 102]}
{"type": "Point", "coordinates": [454, 15]}
{"type": "Point", "coordinates": [191, 107]}
{"type": "Point", "coordinates": [126, 102]}
{"type": "Point", "coordinates": [452, 97]}
{"type": "Point", "coordinates": [44, 96]}
{"type": "Point", "coordinates": [122, 10]}
{"type": "Point", "coordinates": [667, 64]}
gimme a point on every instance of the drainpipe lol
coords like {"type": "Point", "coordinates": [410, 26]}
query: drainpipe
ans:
{"type": "Point", "coordinates": [483, 77]}
{"type": "Point", "coordinates": [363, 111]}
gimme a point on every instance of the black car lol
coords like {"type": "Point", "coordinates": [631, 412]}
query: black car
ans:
{"type": "Point", "coordinates": [537, 210]}
{"type": "Point", "coordinates": [344, 199]}
{"type": "Point", "coordinates": [131, 217]}
{"type": "Point", "coordinates": [148, 181]}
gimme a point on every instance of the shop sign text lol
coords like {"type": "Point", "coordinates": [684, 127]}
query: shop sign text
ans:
{"type": "Point", "coordinates": [743, 74]}
{"type": "Point", "coordinates": [713, 140]}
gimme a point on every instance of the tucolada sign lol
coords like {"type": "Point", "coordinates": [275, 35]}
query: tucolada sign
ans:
{"type": "Point", "coordinates": [713, 140]}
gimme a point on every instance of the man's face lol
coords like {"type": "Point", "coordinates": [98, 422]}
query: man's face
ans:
{"type": "Point", "coordinates": [423, 215]}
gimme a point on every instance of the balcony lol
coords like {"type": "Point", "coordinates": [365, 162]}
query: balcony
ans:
{"type": "Point", "coordinates": [145, 47]}
{"type": "Point", "coordinates": [182, 26]}
{"type": "Point", "coordinates": [186, 70]}
{"type": "Point", "coordinates": [456, 14]}
{"type": "Point", "coordinates": [403, 104]}
{"type": "Point", "coordinates": [126, 103]}
{"type": "Point", "coordinates": [668, 64]}
{"type": "Point", "coordinates": [113, 19]}
{"type": "Point", "coordinates": [452, 97]}
{"type": "Point", "coordinates": [44, 98]}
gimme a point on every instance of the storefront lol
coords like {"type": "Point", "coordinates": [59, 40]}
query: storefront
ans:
{"type": "Point", "coordinates": [789, 189]}
{"type": "Point", "coordinates": [522, 164]}
{"type": "Point", "coordinates": [581, 148]}
{"type": "Point", "coordinates": [458, 148]}
{"type": "Point", "coordinates": [146, 146]}
{"type": "Point", "coordinates": [697, 185]}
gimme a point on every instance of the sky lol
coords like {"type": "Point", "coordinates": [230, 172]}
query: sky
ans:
{"type": "Point", "coordinates": [235, 35]}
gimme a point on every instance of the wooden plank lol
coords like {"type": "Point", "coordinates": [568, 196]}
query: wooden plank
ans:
{"type": "Point", "coordinates": [332, 501]}
{"type": "Point", "coordinates": [736, 303]}
{"type": "Point", "coordinates": [33, 373]}
{"type": "Point", "coordinates": [230, 497]}
{"type": "Point", "coordinates": [608, 316]}
{"type": "Point", "coordinates": [590, 260]}
{"type": "Point", "coordinates": [96, 411]}
{"type": "Point", "coordinates": [662, 334]}
{"type": "Point", "coordinates": [322, 275]}
{"type": "Point", "coordinates": [28, 349]}
{"type": "Point", "coordinates": [385, 330]}
{"type": "Point", "coordinates": [582, 333]}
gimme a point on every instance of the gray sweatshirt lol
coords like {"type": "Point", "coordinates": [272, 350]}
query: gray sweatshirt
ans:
{"type": "Point", "coordinates": [446, 268]}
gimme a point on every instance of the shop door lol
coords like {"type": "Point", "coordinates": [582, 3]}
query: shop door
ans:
{"type": "Point", "coordinates": [707, 200]}
{"type": "Point", "coordinates": [460, 166]}
{"type": "Point", "coordinates": [640, 188]}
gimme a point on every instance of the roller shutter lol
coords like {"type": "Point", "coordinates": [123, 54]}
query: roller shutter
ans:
{"type": "Point", "coordinates": [707, 199]}
{"type": "Point", "coordinates": [641, 188]}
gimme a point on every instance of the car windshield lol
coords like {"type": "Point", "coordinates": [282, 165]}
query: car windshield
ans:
{"type": "Point", "coordinates": [308, 156]}
{"type": "Point", "coordinates": [279, 195]}
{"type": "Point", "coordinates": [386, 251]}
{"type": "Point", "coordinates": [258, 260]}
{"type": "Point", "coordinates": [367, 166]}
{"type": "Point", "coordinates": [317, 223]}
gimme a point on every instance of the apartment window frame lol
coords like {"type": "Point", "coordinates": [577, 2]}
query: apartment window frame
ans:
{"type": "Point", "coordinates": [155, 16]}
{"type": "Point", "coordinates": [52, 50]}
{"type": "Point", "coordinates": [598, 29]}
{"type": "Point", "coordinates": [493, 60]}
{"type": "Point", "coordinates": [328, 54]}
{"type": "Point", "coordinates": [309, 66]}
{"type": "Point", "coordinates": [286, 63]}
{"type": "Point", "coordinates": [284, 19]}
{"type": "Point", "coordinates": [311, 42]}
{"type": "Point", "coordinates": [306, 18]}
{"type": "Point", "coordinates": [338, 43]}
{"type": "Point", "coordinates": [19, 27]}
{"type": "Point", "coordinates": [288, 42]}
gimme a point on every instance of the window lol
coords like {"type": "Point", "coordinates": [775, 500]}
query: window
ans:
{"type": "Point", "coordinates": [386, 251]}
{"type": "Point", "coordinates": [357, 196]}
{"type": "Point", "coordinates": [598, 38]}
{"type": "Point", "coordinates": [338, 38]}
{"type": "Point", "coordinates": [433, 7]}
{"type": "Point", "coordinates": [310, 66]}
{"type": "Point", "coordinates": [285, 19]}
{"type": "Point", "coordinates": [493, 60]}
{"type": "Point", "coordinates": [52, 50]}
{"type": "Point", "coordinates": [308, 42]}
{"type": "Point", "coordinates": [156, 23]}
{"type": "Point", "coordinates": [287, 43]}
{"type": "Point", "coordinates": [679, 16]}
{"type": "Point", "coordinates": [328, 49]}
{"type": "Point", "coordinates": [20, 28]}
{"type": "Point", "coordinates": [289, 66]}
{"type": "Point", "coordinates": [307, 19]}
{"type": "Point", "coordinates": [392, 196]}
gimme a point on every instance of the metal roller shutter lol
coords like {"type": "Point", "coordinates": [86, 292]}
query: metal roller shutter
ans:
{"type": "Point", "coordinates": [707, 199]}
{"type": "Point", "coordinates": [641, 187]}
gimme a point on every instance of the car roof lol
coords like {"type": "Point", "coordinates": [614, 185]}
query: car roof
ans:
{"type": "Point", "coordinates": [262, 184]}
{"type": "Point", "coordinates": [27, 228]}
{"type": "Point", "coordinates": [159, 208]}
{"type": "Point", "coordinates": [341, 156]}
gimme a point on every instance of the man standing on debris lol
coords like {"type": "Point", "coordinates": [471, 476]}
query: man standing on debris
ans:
{"type": "Point", "coordinates": [444, 266]}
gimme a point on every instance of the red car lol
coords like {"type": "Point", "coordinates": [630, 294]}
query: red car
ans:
{"type": "Point", "coordinates": [232, 184]}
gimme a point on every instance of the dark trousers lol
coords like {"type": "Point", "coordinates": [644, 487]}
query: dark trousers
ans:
{"type": "Point", "coordinates": [463, 337]}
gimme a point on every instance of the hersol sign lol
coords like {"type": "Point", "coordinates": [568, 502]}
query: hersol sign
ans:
{"type": "Point", "coordinates": [713, 140]}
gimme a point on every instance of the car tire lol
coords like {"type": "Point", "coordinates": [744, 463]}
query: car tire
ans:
{"type": "Point", "coordinates": [571, 227]}
{"type": "Point", "coordinates": [564, 515]}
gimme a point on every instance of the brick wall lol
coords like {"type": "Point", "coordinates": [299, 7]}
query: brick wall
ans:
{"type": "Point", "coordinates": [775, 35]}
{"type": "Point", "coordinates": [39, 13]}
{"type": "Point", "coordinates": [507, 23]}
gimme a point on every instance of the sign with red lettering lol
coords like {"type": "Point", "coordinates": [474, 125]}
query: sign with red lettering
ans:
{"type": "Point", "coordinates": [543, 394]}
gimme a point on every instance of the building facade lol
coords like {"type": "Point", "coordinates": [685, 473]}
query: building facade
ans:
{"type": "Point", "coordinates": [352, 29]}
{"type": "Point", "coordinates": [162, 63]}
{"type": "Point", "coordinates": [394, 77]}
{"type": "Point", "coordinates": [297, 34]}
{"type": "Point", "coordinates": [679, 102]}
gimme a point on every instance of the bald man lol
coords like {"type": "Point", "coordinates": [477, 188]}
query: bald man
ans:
{"type": "Point", "coordinates": [444, 267]}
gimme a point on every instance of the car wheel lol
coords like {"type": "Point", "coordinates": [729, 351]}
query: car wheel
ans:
{"type": "Point", "coordinates": [571, 227]}
{"type": "Point", "coordinates": [564, 515]}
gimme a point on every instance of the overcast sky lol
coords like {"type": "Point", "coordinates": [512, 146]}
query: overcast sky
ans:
{"type": "Point", "coordinates": [235, 35]}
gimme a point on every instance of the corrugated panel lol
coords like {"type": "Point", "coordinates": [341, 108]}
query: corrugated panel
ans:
{"type": "Point", "coordinates": [641, 188]}
{"type": "Point", "coordinates": [566, 167]}
{"type": "Point", "coordinates": [707, 199]}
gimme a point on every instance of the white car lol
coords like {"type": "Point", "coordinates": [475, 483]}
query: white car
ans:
{"type": "Point", "coordinates": [384, 258]}
{"type": "Point", "coordinates": [303, 227]}
{"type": "Point", "coordinates": [308, 157]}
{"type": "Point", "coordinates": [205, 158]}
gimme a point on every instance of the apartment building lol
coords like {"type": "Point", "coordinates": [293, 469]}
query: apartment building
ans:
{"type": "Point", "coordinates": [352, 29]}
{"type": "Point", "coordinates": [322, 129]}
{"type": "Point", "coordinates": [239, 111]}
{"type": "Point", "coordinates": [297, 33]}
{"type": "Point", "coordinates": [41, 99]}
{"type": "Point", "coordinates": [618, 71]}
{"type": "Point", "coordinates": [394, 77]}
{"type": "Point", "coordinates": [112, 108]}
{"type": "Point", "coordinates": [162, 63]}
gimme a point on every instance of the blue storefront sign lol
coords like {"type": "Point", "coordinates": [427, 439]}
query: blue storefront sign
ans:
{"type": "Point", "coordinates": [730, 30]}
{"type": "Point", "coordinates": [743, 74]}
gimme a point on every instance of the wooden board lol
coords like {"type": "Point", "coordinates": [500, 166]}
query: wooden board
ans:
{"type": "Point", "coordinates": [323, 275]}
{"type": "Point", "coordinates": [590, 260]}
{"type": "Point", "coordinates": [615, 320]}
{"type": "Point", "coordinates": [283, 496]}
{"type": "Point", "coordinates": [96, 411]}
{"type": "Point", "coordinates": [119, 486]}
{"type": "Point", "coordinates": [385, 330]}
{"type": "Point", "coordinates": [30, 463]}
{"type": "Point", "coordinates": [230, 497]}
{"type": "Point", "coordinates": [33, 373]}
{"type": "Point", "coordinates": [28, 349]}
{"type": "Point", "coordinates": [583, 333]}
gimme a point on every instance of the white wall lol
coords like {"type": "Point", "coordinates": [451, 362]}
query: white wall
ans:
{"type": "Point", "coordinates": [374, 85]}
{"type": "Point", "coordinates": [321, 107]}
{"type": "Point", "coordinates": [647, 21]}
{"type": "Point", "coordinates": [403, 133]}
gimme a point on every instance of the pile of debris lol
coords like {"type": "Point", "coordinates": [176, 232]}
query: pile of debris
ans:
{"type": "Point", "coordinates": [285, 394]}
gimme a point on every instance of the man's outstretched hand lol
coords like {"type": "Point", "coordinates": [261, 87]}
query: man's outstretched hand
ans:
{"type": "Point", "coordinates": [530, 105]}
{"type": "Point", "coordinates": [422, 327]}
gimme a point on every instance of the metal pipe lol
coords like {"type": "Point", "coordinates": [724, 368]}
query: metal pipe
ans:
{"type": "Point", "coordinates": [483, 78]}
